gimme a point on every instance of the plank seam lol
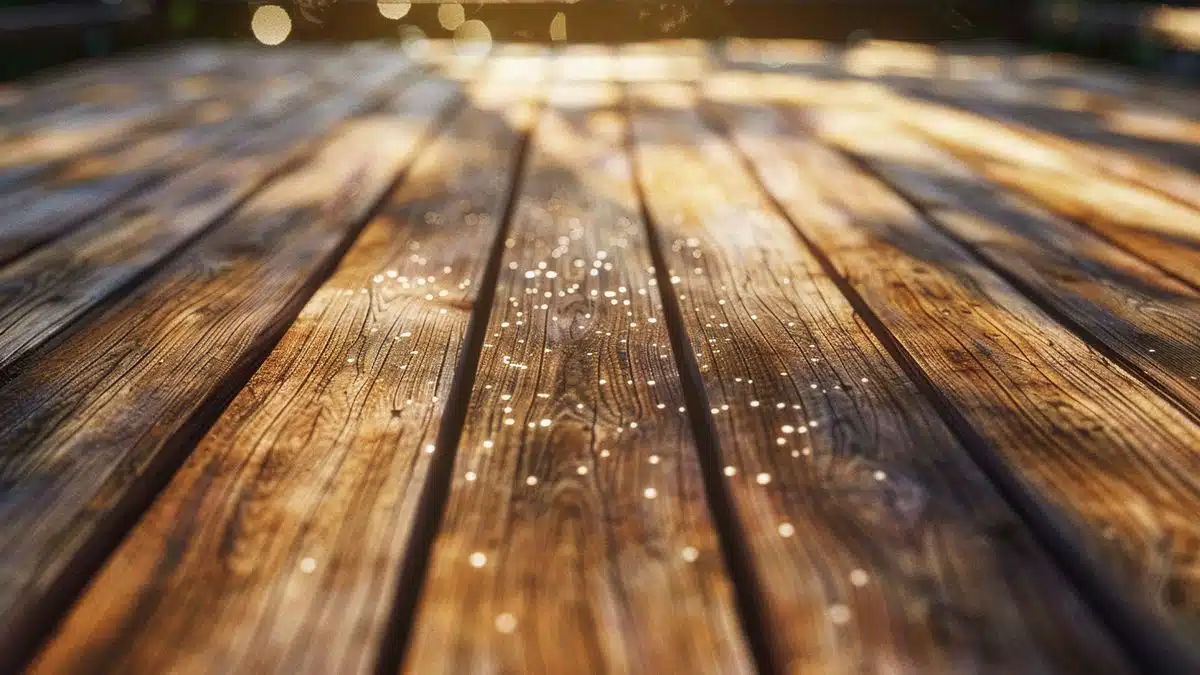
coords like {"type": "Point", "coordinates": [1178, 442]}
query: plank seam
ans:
{"type": "Point", "coordinates": [431, 504]}
{"type": "Point", "coordinates": [1078, 222]}
{"type": "Point", "coordinates": [112, 530]}
{"type": "Point", "coordinates": [138, 190]}
{"type": "Point", "coordinates": [747, 587]}
{"type": "Point", "coordinates": [217, 140]}
{"type": "Point", "coordinates": [1031, 293]}
{"type": "Point", "coordinates": [1106, 238]}
{"type": "Point", "coordinates": [1154, 652]}
{"type": "Point", "coordinates": [372, 102]}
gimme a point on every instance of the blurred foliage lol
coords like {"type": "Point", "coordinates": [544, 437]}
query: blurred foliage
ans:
{"type": "Point", "coordinates": [182, 15]}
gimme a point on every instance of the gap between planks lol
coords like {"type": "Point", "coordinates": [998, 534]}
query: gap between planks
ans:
{"type": "Point", "coordinates": [1155, 646]}
{"type": "Point", "coordinates": [313, 240]}
{"type": "Point", "coordinates": [981, 537]}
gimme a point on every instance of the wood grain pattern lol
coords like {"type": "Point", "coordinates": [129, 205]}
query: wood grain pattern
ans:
{"type": "Point", "coordinates": [1147, 318]}
{"type": "Point", "coordinates": [94, 424]}
{"type": "Point", "coordinates": [1110, 465]}
{"type": "Point", "coordinates": [72, 191]}
{"type": "Point", "coordinates": [55, 125]}
{"type": "Point", "coordinates": [1160, 230]}
{"type": "Point", "coordinates": [1008, 133]}
{"type": "Point", "coordinates": [43, 292]}
{"type": "Point", "coordinates": [1127, 173]}
{"type": "Point", "coordinates": [185, 100]}
{"type": "Point", "coordinates": [880, 547]}
{"type": "Point", "coordinates": [1075, 156]}
{"type": "Point", "coordinates": [298, 573]}
{"type": "Point", "coordinates": [576, 537]}
{"type": "Point", "coordinates": [1095, 124]}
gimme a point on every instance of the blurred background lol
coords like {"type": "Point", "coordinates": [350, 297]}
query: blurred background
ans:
{"type": "Point", "coordinates": [1164, 37]}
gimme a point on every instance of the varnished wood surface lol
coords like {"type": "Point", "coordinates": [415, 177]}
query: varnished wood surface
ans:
{"type": "Point", "coordinates": [350, 400]}
{"type": "Point", "coordinates": [90, 426]}
{"type": "Point", "coordinates": [600, 557]}
{"type": "Point", "coordinates": [849, 487]}
{"type": "Point", "coordinates": [1033, 391]}
{"type": "Point", "coordinates": [48, 289]}
{"type": "Point", "coordinates": [48, 198]}
{"type": "Point", "coordinates": [770, 357]}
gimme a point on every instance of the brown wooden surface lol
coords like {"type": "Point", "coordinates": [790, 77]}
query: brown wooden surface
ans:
{"type": "Point", "coordinates": [66, 193]}
{"type": "Point", "coordinates": [162, 99]}
{"type": "Point", "coordinates": [47, 290]}
{"type": "Point", "coordinates": [1105, 123]}
{"type": "Point", "coordinates": [46, 126]}
{"type": "Point", "coordinates": [1161, 230]}
{"type": "Point", "coordinates": [940, 421]}
{"type": "Point", "coordinates": [599, 554]}
{"type": "Point", "coordinates": [1035, 392]}
{"type": "Point", "coordinates": [90, 423]}
{"type": "Point", "coordinates": [345, 407]}
{"type": "Point", "coordinates": [878, 543]}
{"type": "Point", "coordinates": [1148, 319]}
{"type": "Point", "coordinates": [1084, 146]}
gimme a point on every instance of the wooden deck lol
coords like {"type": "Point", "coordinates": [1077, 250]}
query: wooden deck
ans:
{"type": "Point", "coordinates": [669, 358]}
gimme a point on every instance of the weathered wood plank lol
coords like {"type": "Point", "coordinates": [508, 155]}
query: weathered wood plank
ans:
{"type": "Point", "coordinates": [46, 290]}
{"type": "Point", "coordinates": [1148, 319]}
{"type": "Point", "coordinates": [67, 120]}
{"type": "Point", "coordinates": [1159, 229]}
{"type": "Point", "coordinates": [55, 89]}
{"type": "Point", "coordinates": [343, 407]}
{"type": "Point", "coordinates": [879, 545]}
{"type": "Point", "coordinates": [93, 424]}
{"type": "Point", "coordinates": [576, 537]}
{"type": "Point", "coordinates": [1104, 465]}
{"type": "Point", "coordinates": [1115, 86]}
{"type": "Point", "coordinates": [187, 100]}
{"type": "Point", "coordinates": [1010, 110]}
{"type": "Point", "coordinates": [1080, 126]}
{"type": "Point", "coordinates": [1121, 200]}
{"type": "Point", "coordinates": [1009, 134]}
{"type": "Point", "coordinates": [84, 187]}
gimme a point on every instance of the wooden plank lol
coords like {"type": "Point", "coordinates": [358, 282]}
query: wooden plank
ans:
{"type": "Point", "coordinates": [349, 399]}
{"type": "Point", "coordinates": [86, 186]}
{"type": "Point", "coordinates": [1133, 87]}
{"type": "Point", "coordinates": [1077, 125]}
{"type": "Point", "coordinates": [1111, 195]}
{"type": "Point", "coordinates": [1131, 161]}
{"type": "Point", "coordinates": [1012, 104]}
{"type": "Point", "coordinates": [94, 424]}
{"type": "Point", "coordinates": [43, 292]}
{"type": "Point", "coordinates": [182, 102]}
{"type": "Point", "coordinates": [576, 537]}
{"type": "Point", "coordinates": [879, 545]}
{"type": "Point", "coordinates": [89, 85]}
{"type": "Point", "coordinates": [65, 122]}
{"type": "Point", "coordinates": [1104, 467]}
{"type": "Point", "coordinates": [1160, 231]}
{"type": "Point", "coordinates": [1147, 319]}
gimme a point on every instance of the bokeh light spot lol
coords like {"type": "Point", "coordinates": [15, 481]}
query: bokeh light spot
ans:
{"type": "Point", "coordinates": [451, 16]}
{"type": "Point", "coordinates": [271, 24]}
{"type": "Point", "coordinates": [413, 42]}
{"type": "Point", "coordinates": [473, 37]}
{"type": "Point", "coordinates": [393, 9]}
{"type": "Point", "coordinates": [558, 27]}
